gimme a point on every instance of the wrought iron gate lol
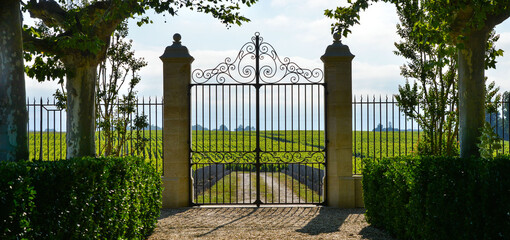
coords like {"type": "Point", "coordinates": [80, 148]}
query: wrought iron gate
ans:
{"type": "Point", "coordinates": [258, 130]}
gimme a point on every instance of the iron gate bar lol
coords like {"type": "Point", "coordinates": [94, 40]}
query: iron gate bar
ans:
{"type": "Point", "coordinates": [269, 157]}
{"type": "Point", "coordinates": [257, 119]}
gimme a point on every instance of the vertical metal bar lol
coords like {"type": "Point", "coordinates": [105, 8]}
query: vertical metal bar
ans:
{"type": "Point", "coordinates": [399, 136]}
{"type": "Point", "coordinates": [380, 130]}
{"type": "Point", "coordinates": [387, 126]}
{"type": "Point", "coordinates": [354, 145]}
{"type": "Point", "coordinates": [405, 124]}
{"type": "Point", "coordinates": [361, 124]}
{"type": "Point", "coordinates": [373, 123]}
{"type": "Point", "coordinates": [311, 120]}
{"type": "Point", "coordinates": [48, 130]}
{"type": "Point", "coordinates": [60, 133]}
{"type": "Point", "coordinates": [249, 121]}
{"type": "Point", "coordinates": [35, 130]}
{"type": "Point", "coordinates": [243, 124]}
{"type": "Point", "coordinates": [28, 126]}
{"type": "Point", "coordinates": [497, 128]}
{"type": "Point", "coordinates": [393, 124]}
{"type": "Point", "coordinates": [257, 95]}
{"type": "Point", "coordinates": [209, 148]}
{"type": "Point", "coordinates": [503, 117]}
{"type": "Point", "coordinates": [243, 138]}
{"type": "Point", "coordinates": [412, 134]}
{"type": "Point", "coordinates": [237, 141]}
{"type": "Point", "coordinates": [229, 117]}
{"type": "Point", "coordinates": [41, 132]}
{"type": "Point", "coordinates": [279, 147]}
{"type": "Point", "coordinates": [150, 131]}
{"type": "Point", "coordinates": [368, 127]}
{"type": "Point", "coordinates": [156, 153]}
{"type": "Point", "coordinates": [223, 133]}
{"type": "Point", "coordinates": [237, 120]}
{"type": "Point", "coordinates": [223, 116]}
{"type": "Point", "coordinates": [54, 133]}
{"type": "Point", "coordinates": [418, 124]}
{"type": "Point", "coordinates": [138, 130]}
{"type": "Point", "coordinates": [325, 92]}
{"type": "Point", "coordinates": [299, 117]}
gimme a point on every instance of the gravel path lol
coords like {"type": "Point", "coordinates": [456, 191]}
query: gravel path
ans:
{"type": "Point", "coordinates": [249, 193]}
{"type": "Point", "coordinates": [265, 223]}
{"type": "Point", "coordinates": [280, 192]}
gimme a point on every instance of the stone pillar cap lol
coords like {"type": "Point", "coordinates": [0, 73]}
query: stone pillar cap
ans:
{"type": "Point", "coordinates": [337, 49]}
{"type": "Point", "coordinates": [176, 50]}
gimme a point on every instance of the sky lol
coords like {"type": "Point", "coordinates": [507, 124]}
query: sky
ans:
{"type": "Point", "coordinates": [297, 29]}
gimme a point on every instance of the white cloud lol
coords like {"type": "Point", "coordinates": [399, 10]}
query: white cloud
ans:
{"type": "Point", "coordinates": [297, 29]}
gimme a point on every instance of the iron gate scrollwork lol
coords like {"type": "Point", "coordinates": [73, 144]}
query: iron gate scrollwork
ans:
{"type": "Point", "coordinates": [258, 130]}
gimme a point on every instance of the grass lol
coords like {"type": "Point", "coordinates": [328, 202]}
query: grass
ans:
{"type": "Point", "coordinates": [241, 144]}
{"type": "Point", "coordinates": [224, 191]}
{"type": "Point", "coordinates": [230, 190]}
{"type": "Point", "coordinates": [51, 146]}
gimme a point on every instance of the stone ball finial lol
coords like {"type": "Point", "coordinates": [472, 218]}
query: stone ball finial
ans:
{"type": "Point", "coordinates": [177, 38]}
{"type": "Point", "coordinates": [337, 36]}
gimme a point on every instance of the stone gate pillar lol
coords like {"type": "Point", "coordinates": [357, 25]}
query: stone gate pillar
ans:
{"type": "Point", "coordinates": [343, 189]}
{"type": "Point", "coordinates": [176, 124]}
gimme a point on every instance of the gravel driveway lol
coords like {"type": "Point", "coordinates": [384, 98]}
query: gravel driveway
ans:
{"type": "Point", "coordinates": [265, 223]}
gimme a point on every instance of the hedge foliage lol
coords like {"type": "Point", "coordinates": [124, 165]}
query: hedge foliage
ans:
{"type": "Point", "coordinates": [88, 198]}
{"type": "Point", "coordinates": [439, 197]}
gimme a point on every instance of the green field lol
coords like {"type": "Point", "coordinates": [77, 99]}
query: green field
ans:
{"type": "Point", "coordinates": [238, 147]}
{"type": "Point", "coordinates": [53, 146]}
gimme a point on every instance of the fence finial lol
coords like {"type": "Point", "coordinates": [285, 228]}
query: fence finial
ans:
{"type": "Point", "coordinates": [337, 36]}
{"type": "Point", "coordinates": [177, 38]}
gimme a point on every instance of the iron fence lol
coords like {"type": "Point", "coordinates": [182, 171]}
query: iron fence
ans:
{"type": "Point", "coordinates": [380, 129]}
{"type": "Point", "coordinates": [47, 131]}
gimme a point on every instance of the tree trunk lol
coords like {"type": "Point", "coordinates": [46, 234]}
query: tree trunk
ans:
{"type": "Point", "coordinates": [472, 92]}
{"type": "Point", "coordinates": [13, 112]}
{"type": "Point", "coordinates": [80, 136]}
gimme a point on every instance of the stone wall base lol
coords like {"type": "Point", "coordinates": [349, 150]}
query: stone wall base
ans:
{"type": "Point", "coordinates": [345, 192]}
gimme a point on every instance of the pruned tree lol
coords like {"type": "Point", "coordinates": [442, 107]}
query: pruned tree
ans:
{"type": "Point", "coordinates": [13, 113]}
{"type": "Point", "coordinates": [467, 26]}
{"type": "Point", "coordinates": [433, 98]}
{"type": "Point", "coordinates": [75, 35]}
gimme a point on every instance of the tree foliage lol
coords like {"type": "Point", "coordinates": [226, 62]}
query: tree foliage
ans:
{"type": "Point", "coordinates": [465, 25]}
{"type": "Point", "coordinates": [432, 99]}
{"type": "Point", "coordinates": [114, 111]}
{"type": "Point", "coordinates": [72, 38]}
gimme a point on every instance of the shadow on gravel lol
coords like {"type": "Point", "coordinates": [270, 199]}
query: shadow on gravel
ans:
{"type": "Point", "coordinates": [164, 213]}
{"type": "Point", "coordinates": [330, 220]}
{"type": "Point", "coordinates": [325, 222]}
{"type": "Point", "coordinates": [231, 222]}
{"type": "Point", "coordinates": [374, 234]}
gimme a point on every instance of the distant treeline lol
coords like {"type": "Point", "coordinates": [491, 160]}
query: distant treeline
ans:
{"type": "Point", "coordinates": [223, 128]}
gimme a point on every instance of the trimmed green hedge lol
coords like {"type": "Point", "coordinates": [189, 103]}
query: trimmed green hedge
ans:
{"type": "Point", "coordinates": [89, 198]}
{"type": "Point", "coordinates": [439, 197]}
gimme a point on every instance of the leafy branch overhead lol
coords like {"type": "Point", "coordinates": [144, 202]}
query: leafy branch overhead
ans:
{"type": "Point", "coordinates": [465, 27]}
{"type": "Point", "coordinates": [72, 38]}
{"type": "Point", "coordinates": [70, 28]}
{"type": "Point", "coordinates": [453, 20]}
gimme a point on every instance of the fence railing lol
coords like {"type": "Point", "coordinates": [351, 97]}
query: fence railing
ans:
{"type": "Point", "coordinates": [47, 131]}
{"type": "Point", "coordinates": [380, 129]}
